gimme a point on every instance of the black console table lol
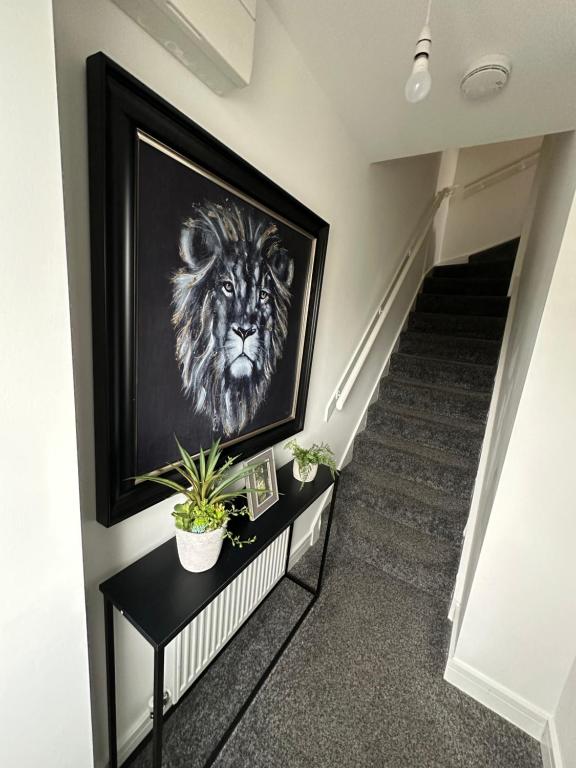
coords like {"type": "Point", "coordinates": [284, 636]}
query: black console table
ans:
{"type": "Point", "coordinates": [159, 598]}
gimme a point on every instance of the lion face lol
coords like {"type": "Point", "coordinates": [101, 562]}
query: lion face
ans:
{"type": "Point", "coordinates": [231, 302]}
{"type": "Point", "coordinates": [244, 308]}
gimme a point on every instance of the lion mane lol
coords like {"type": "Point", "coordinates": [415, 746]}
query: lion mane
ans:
{"type": "Point", "coordinates": [230, 311]}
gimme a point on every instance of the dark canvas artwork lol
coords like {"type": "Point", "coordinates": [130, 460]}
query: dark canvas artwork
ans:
{"type": "Point", "coordinates": [206, 282]}
{"type": "Point", "coordinates": [222, 292]}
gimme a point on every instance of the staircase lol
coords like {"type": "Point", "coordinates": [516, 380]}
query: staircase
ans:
{"type": "Point", "coordinates": [405, 497]}
{"type": "Point", "coordinates": [372, 650]}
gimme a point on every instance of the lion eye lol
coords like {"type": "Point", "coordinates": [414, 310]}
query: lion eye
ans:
{"type": "Point", "coordinates": [228, 287]}
{"type": "Point", "coordinates": [264, 295]}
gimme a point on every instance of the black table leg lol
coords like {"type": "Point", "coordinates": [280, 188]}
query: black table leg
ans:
{"type": "Point", "coordinates": [110, 683]}
{"type": "Point", "coordinates": [289, 547]}
{"type": "Point", "coordinates": [327, 536]}
{"type": "Point", "coordinates": [315, 591]}
{"type": "Point", "coordinates": [158, 707]}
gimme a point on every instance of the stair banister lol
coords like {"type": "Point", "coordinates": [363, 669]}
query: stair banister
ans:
{"type": "Point", "coordinates": [347, 381]}
{"type": "Point", "coordinates": [498, 175]}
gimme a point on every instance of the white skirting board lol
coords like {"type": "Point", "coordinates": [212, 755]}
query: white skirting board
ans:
{"type": "Point", "coordinates": [521, 713]}
{"type": "Point", "coordinates": [462, 259]}
{"type": "Point", "coordinates": [551, 751]}
{"type": "Point", "coordinates": [131, 740]}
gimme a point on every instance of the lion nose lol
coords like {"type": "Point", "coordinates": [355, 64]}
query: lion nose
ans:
{"type": "Point", "coordinates": [244, 332]}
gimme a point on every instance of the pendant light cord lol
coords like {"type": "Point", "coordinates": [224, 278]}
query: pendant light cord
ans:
{"type": "Point", "coordinates": [428, 12]}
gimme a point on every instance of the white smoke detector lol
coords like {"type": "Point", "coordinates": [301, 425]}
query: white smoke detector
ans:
{"type": "Point", "coordinates": [486, 77]}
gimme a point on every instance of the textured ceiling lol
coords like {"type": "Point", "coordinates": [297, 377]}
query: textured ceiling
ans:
{"type": "Point", "coordinates": [360, 52]}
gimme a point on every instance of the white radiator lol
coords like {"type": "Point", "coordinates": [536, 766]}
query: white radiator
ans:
{"type": "Point", "coordinates": [196, 646]}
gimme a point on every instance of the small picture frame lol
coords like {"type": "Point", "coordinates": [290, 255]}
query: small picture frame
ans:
{"type": "Point", "coordinates": [262, 477]}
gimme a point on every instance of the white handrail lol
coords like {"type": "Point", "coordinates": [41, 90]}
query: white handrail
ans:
{"type": "Point", "coordinates": [348, 379]}
{"type": "Point", "coordinates": [366, 343]}
{"type": "Point", "coordinates": [500, 174]}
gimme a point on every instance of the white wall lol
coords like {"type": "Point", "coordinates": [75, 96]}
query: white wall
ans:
{"type": "Point", "coordinates": [519, 625]}
{"type": "Point", "coordinates": [552, 195]}
{"type": "Point", "coordinates": [45, 704]}
{"type": "Point", "coordinates": [495, 214]}
{"type": "Point", "coordinates": [284, 125]}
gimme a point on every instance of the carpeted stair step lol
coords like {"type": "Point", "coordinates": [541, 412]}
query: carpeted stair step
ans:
{"type": "Point", "coordinates": [422, 400]}
{"type": "Point", "coordinates": [492, 269]}
{"type": "Point", "coordinates": [493, 306]}
{"type": "Point", "coordinates": [427, 563]}
{"type": "Point", "coordinates": [441, 476]}
{"type": "Point", "coordinates": [423, 494]}
{"type": "Point", "coordinates": [502, 252]}
{"type": "Point", "coordinates": [445, 373]}
{"type": "Point", "coordinates": [434, 518]}
{"type": "Point", "coordinates": [455, 286]}
{"type": "Point", "coordinates": [441, 347]}
{"type": "Point", "coordinates": [393, 443]}
{"type": "Point", "coordinates": [463, 440]}
{"type": "Point", "coordinates": [467, 326]}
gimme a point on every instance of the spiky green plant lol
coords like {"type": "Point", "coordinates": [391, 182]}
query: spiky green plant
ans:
{"type": "Point", "coordinates": [208, 487]}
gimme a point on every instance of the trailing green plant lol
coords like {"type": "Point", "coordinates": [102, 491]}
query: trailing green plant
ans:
{"type": "Point", "coordinates": [306, 458]}
{"type": "Point", "coordinates": [207, 490]}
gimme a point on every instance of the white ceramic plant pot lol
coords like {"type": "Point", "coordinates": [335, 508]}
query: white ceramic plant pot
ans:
{"type": "Point", "coordinates": [309, 477]}
{"type": "Point", "coordinates": [199, 551]}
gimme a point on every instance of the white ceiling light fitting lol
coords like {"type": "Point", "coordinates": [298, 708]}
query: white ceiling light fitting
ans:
{"type": "Point", "coordinates": [419, 83]}
{"type": "Point", "coordinates": [486, 77]}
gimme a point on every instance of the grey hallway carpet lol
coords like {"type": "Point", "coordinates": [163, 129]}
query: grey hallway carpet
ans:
{"type": "Point", "coordinates": [361, 684]}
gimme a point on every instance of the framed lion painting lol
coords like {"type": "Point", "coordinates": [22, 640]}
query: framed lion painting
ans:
{"type": "Point", "coordinates": [206, 283]}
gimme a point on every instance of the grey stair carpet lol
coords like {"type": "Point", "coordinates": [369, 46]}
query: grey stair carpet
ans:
{"type": "Point", "coordinates": [361, 686]}
{"type": "Point", "coordinates": [446, 347]}
{"type": "Point", "coordinates": [469, 327]}
{"type": "Point", "coordinates": [423, 437]}
{"type": "Point", "coordinates": [401, 502]}
{"type": "Point", "coordinates": [465, 286]}
{"type": "Point", "coordinates": [492, 306]}
{"type": "Point", "coordinates": [457, 438]}
{"type": "Point", "coordinates": [491, 270]}
{"type": "Point", "coordinates": [450, 373]}
{"type": "Point", "coordinates": [497, 253]}
{"type": "Point", "coordinates": [458, 405]}
{"type": "Point", "coordinates": [361, 683]}
{"type": "Point", "coordinates": [430, 469]}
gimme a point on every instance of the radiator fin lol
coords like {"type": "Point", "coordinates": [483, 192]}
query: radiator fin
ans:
{"type": "Point", "coordinates": [196, 646]}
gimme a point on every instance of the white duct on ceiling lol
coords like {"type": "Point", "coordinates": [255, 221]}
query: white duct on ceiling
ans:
{"type": "Point", "coordinates": [214, 39]}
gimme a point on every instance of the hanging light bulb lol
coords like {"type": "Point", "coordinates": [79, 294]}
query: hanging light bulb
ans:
{"type": "Point", "coordinates": [419, 83]}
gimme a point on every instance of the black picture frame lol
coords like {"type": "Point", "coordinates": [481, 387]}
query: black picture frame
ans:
{"type": "Point", "coordinates": [118, 107]}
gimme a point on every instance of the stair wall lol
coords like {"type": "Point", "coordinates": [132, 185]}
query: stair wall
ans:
{"type": "Point", "coordinates": [516, 623]}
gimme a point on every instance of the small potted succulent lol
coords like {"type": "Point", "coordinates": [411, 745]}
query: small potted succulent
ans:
{"type": "Point", "coordinates": [201, 520]}
{"type": "Point", "coordinates": [307, 460]}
